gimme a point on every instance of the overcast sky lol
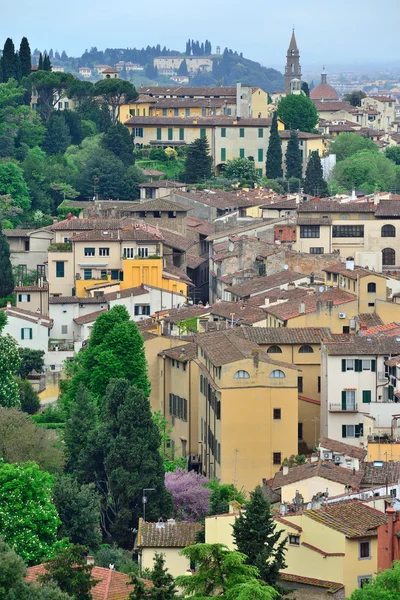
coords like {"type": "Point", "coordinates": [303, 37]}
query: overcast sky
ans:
{"type": "Point", "coordinates": [340, 32]}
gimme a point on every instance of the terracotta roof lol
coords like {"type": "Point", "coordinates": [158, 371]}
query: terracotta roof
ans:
{"type": "Point", "coordinates": [152, 173]}
{"type": "Point", "coordinates": [212, 121]}
{"type": "Point", "coordinates": [27, 315]}
{"type": "Point", "coordinates": [293, 308]}
{"type": "Point", "coordinates": [325, 470]}
{"type": "Point", "coordinates": [247, 313]}
{"type": "Point", "coordinates": [289, 524]}
{"type": "Point", "coordinates": [284, 335]}
{"type": "Point", "coordinates": [356, 273]}
{"type": "Point", "coordinates": [276, 294]}
{"type": "Point", "coordinates": [75, 300]}
{"type": "Point", "coordinates": [302, 135]}
{"type": "Point", "coordinates": [192, 262]}
{"type": "Point", "coordinates": [76, 224]}
{"type": "Point", "coordinates": [318, 220]}
{"type": "Point", "coordinates": [333, 206]}
{"type": "Point", "coordinates": [193, 102]}
{"type": "Point", "coordinates": [175, 240]}
{"type": "Point", "coordinates": [382, 98]}
{"type": "Point", "coordinates": [388, 208]}
{"type": "Point", "coordinates": [175, 315]}
{"type": "Point", "coordinates": [90, 318]}
{"type": "Point", "coordinates": [31, 288]}
{"type": "Point", "coordinates": [163, 183]}
{"type": "Point", "coordinates": [127, 293]}
{"type": "Point", "coordinates": [350, 517]}
{"type": "Point", "coordinates": [112, 585]}
{"type": "Point", "coordinates": [332, 586]}
{"type": "Point", "coordinates": [172, 272]}
{"type": "Point", "coordinates": [221, 199]}
{"type": "Point", "coordinates": [323, 106]}
{"type": "Point", "coordinates": [388, 472]}
{"type": "Point", "coordinates": [118, 235]}
{"type": "Point", "coordinates": [202, 227]}
{"type": "Point", "coordinates": [362, 345]}
{"type": "Point", "coordinates": [182, 354]}
{"type": "Point", "coordinates": [370, 319]}
{"type": "Point", "coordinates": [172, 535]}
{"type": "Point", "coordinates": [185, 91]}
{"type": "Point", "coordinates": [17, 232]}
{"type": "Point", "coordinates": [341, 448]}
{"type": "Point", "coordinates": [263, 284]}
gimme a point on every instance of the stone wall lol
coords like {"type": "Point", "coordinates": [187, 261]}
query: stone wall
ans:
{"type": "Point", "coordinates": [308, 263]}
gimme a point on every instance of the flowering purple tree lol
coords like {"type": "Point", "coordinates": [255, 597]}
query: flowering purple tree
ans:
{"type": "Point", "coordinates": [191, 499]}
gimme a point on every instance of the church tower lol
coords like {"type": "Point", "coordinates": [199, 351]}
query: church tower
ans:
{"type": "Point", "coordinates": [293, 68]}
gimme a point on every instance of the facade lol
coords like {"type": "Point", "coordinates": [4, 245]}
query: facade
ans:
{"type": "Point", "coordinates": [34, 298]}
{"type": "Point", "coordinates": [63, 310]}
{"type": "Point", "coordinates": [28, 248]}
{"type": "Point", "coordinates": [341, 454]}
{"type": "Point", "coordinates": [30, 329]}
{"type": "Point", "coordinates": [194, 63]}
{"type": "Point", "coordinates": [385, 107]}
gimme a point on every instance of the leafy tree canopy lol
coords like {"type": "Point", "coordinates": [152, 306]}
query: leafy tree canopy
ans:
{"type": "Point", "coordinates": [222, 494]}
{"type": "Point", "coordinates": [347, 144]}
{"type": "Point", "coordinates": [385, 586]}
{"type": "Point", "coordinates": [11, 93]}
{"type": "Point", "coordinates": [241, 169]}
{"type": "Point", "coordinates": [354, 98]}
{"type": "Point", "coordinates": [298, 112]}
{"type": "Point", "coordinates": [70, 571]}
{"type": "Point", "coordinates": [7, 279]}
{"type": "Point", "coordinates": [115, 93]}
{"type": "Point", "coordinates": [12, 182]}
{"type": "Point", "coordinates": [393, 153]}
{"type": "Point", "coordinates": [366, 170]}
{"type": "Point", "coordinates": [9, 363]}
{"type": "Point", "coordinates": [273, 165]}
{"type": "Point", "coordinates": [28, 398]}
{"type": "Point", "coordinates": [118, 141]}
{"type": "Point", "coordinates": [31, 360]}
{"type": "Point", "coordinates": [163, 587]}
{"type": "Point", "coordinates": [198, 161]}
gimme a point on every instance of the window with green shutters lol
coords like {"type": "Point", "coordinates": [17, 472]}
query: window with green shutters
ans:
{"type": "Point", "coordinates": [223, 131]}
{"type": "Point", "coordinates": [242, 132]}
{"type": "Point", "coordinates": [170, 133]}
{"type": "Point", "coordinates": [159, 133]}
{"type": "Point", "coordinates": [260, 155]}
{"type": "Point", "coordinates": [241, 153]}
{"type": "Point", "coordinates": [202, 133]}
{"type": "Point", "coordinates": [60, 269]}
{"type": "Point", "coordinates": [261, 133]}
{"type": "Point", "coordinates": [26, 333]}
{"type": "Point", "coordinates": [366, 396]}
{"type": "Point", "coordinates": [260, 172]}
{"type": "Point", "coordinates": [181, 134]}
{"type": "Point", "coordinates": [223, 153]}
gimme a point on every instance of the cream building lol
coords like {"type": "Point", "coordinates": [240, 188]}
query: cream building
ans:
{"type": "Point", "coordinates": [28, 248]}
{"type": "Point", "coordinates": [29, 329]}
{"type": "Point", "coordinates": [194, 63]}
{"type": "Point", "coordinates": [385, 107]}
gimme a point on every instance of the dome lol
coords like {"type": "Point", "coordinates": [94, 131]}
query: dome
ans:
{"type": "Point", "coordinates": [324, 91]}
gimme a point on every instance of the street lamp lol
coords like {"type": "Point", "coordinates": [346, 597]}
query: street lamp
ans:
{"type": "Point", "coordinates": [144, 500]}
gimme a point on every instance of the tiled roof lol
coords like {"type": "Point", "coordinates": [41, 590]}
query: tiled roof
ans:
{"type": "Point", "coordinates": [318, 220]}
{"type": "Point", "coordinates": [172, 272]}
{"type": "Point", "coordinates": [388, 208]}
{"type": "Point", "coordinates": [246, 313]}
{"type": "Point", "coordinates": [112, 585]}
{"type": "Point", "coordinates": [293, 308]}
{"type": "Point", "coordinates": [90, 318]}
{"type": "Point", "coordinates": [172, 535]}
{"type": "Point", "coordinates": [324, 91]}
{"type": "Point", "coordinates": [27, 315]}
{"type": "Point", "coordinates": [388, 472]}
{"type": "Point", "coordinates": [118, 235]}
{"type": "Point", "coordinates": [75, 300]}
{"type": "Point", "coordinates": [382, 98]}
{"type": "Point", "coordinates": [341, 448]}
{"type": "Point", "coordinates": [355, 273]}
{"type": "Point", "coordinates": [323, 106]}
{"type": "Point", "coordinates": [221, 199]}
{"type": "Point", "coordinates": [175, 240]}
{"type": "Point", "coordinates": [176, 315]}
{"type": "Point", "coordinates": [382, 329]}
{"type": "Point", "coordinates": [350, 517]}
{"type": "Point", "coordinates": [333, 206]}
{"type": "Point", "coordinates": [286, 335]}
{"type": "Point", "coordinates": [127, 293]}
{"type": "Point", "coordinates": [326, 470]}
{"type": "Point", "coordinates": [276, 295]}
{"type": "Point", "coordinates": [152, 173]}
{"type": "Point", "coordinates": [213, 121]}
{"type": "Point", "coordinates": [263, 284]}
{"type": "Point", "coordinates": [280, 203]}
{"type": "Point", "coordinates": [192, 262]}
{"type": "Point", "coordinates": [162, 204]}
{"type": "Point", "coordinates": [76, 224]}
{"type": "Point", "coordinates": [202, 227]}
{"type": "Point", "coordinates": [302, 135]}
{"type": "Point", "coordinates": [362, 345]}
{"type": "Point", "coordinates": [370, 319]}
{"type": "Point", "coordinates": [192, 102]}
{"type": "Point", "coordinates": [332, 586]}
{"type": "Point", "coordinates": [17, 232]}
{"type": "Point", "coordinates": [183, 353]}
{"type": "Point", "coordinates": [30, 288]}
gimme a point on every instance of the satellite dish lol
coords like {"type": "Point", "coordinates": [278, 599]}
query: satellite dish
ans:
{"type": "Point", "coordinates": [321, 288]}
{"type": "Point", "coordinates": [286, 267]}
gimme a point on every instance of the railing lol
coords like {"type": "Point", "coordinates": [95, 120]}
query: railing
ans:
{"type": "Point", "coordinates": [340, 408]}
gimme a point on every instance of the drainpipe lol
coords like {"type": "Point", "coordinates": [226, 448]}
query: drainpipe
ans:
{"type": "Point", "coordinates": [390, 513]}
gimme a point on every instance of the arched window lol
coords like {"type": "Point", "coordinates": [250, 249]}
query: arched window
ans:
{"type": "Point", "coordinates": [388, 231]}
{"type": "Point", "coordinates": [371, 287]}
{"type": "Point", "coordinates": [241, 375]}
{"type": "Point", "coordinates": [277, 374]}
{"type": "Point", "coordinates": [274, 350]}
{"type": "Point", "coordinates": [388, 256]}
{"type": "Point", "coordinates": [306, 349]}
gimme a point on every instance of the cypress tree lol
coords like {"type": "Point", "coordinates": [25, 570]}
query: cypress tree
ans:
{"type": "Point", "coordinates": [79, 428]}
{"type": "Point", "coordinates": [6, 279]}
{"type": "Point", "coordinates": [183, 70]}
{"type": "Point", "coordinates": [40, 65]}
{"type": "Point", "coordinates": [305, 88]}
{"type": "Point", "coordinates": [163, 587]}
{"type": "Point", "coordinates": [273, 165]}
{"type": "Point", "coordinates": [294, 167]}
{"type": "Point", "coordinates": [46, 63]}
{"type": "Point", "coordinates": [198, 161]}
{"type": "Point", "coordinates": [17, 75]}
{"type": "Point", "coordinates": [25, 57]}
{"type": "Point", "coordinates": [314, 183]}
{"type": "Point", "coordinates": [8, 60]}
{"type": "Point", "coordinates": [255, 535]}
{"type": "Point", "coordinates": [57, 138]}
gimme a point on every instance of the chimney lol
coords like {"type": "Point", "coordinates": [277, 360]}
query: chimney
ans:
{"type": "Point", "coordinates": [89, 560]}
{"type": "Point", "coordinates": [118, 295]}
{"type": "Point", "coordinates": [314, 457]}
{"type": "Point", "coordinates": [310, 292]}
{"type": "Point", "coordinates": [285, 470]}
{"type": "Point", "coordinates": [302, 308]}
{"type": "Point", "coordinates": [54, 220]}
{"type": "Point", "coordinates": [350, 263]}
{"type": "Point", "coordinates": [390, 511]}
{"type": "Point", "coordinates": [69, 216]}
{"type": "Point", "coordinates": [363, 326]}
{"type": "Point", "coordinates": [266, 303]}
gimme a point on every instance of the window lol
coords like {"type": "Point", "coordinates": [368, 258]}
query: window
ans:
{"type": "Point", "coordinates": [164, 112]}
{"type": "Point", "coordinates": [26, 333]}
{"type": "Point", "coordinates": [87, 274]}
{"type": "Point", "coordinates": [143, 252]}
{"type": "Point", "coordinates": [26, 246]}
{"type": "Point", "coordinates": [371, 288]}
{"type": "Point", "coordinates": [223, 131]}
{"type": "Point", "coordinates": [277, 458]}
{"type": "Point", "coordinates": [60, 270]}
{"type": "Point", "coordinates": [241, 134]}
{"type": "Point", "coordinates": [89, 252]}
{"type": "Point", "coordinates": [159, 133]}
{"type": "Point", "coordinates": [353, 231]}
{"type": "Point", "coordinates": [366, 365]}
{"type": "Point", "coordinates": [241, 153]}
{"type": "Point", "coordinates": [277, 374]}
{"type": "Point", "coordinates": [274, 350]}
{"type": "Point", "coordinates": [241, 375]}
{"type": "Point", "coordinates": [364, 550]}
{"type": "Point", "coordinates": [388, 231]}
{"type": "Point", "coordinates": [129, 252]}
{"type": "Point", "coordinates": [187, 112]}
{"type": "Point", "coordinates": [366, 396]}
{"type": "Point", "coordinates": [24, 297]}
{"type": "Point", "coordinates": [388, 256]}
{"type": "Point", "coordinates": [260, 155]}
{"type": "Point", "coordinates": [223, 153]}
{"type": "Point", "coordinates": [64, 329]}
{"type": "Point", "coordinates": [203, 112]}
{"type": "Point", "coordinates": [104, 251]}
{"type": "Point", "coordinates": [229, 112]}
{"type": "Point", "coordinates": [309, 231]}
{"type": "Point", "coordinates": [306, 349]}
{"type": "Point", "coordinates": [300, 385]}
{"type": "Point", "coordinates": [363, 580]}
{"type": "Point", "coordinates": [170, 133]}
{"type": "Point", "coordinates": [317, 250]}
{"type": "Point", "coordinates": [202, 133]}
{"type": "Point", "coordinates": [142, 309]}
{"type": "Point", "coordinates": [261, 133]}
{"type": "Point", "coordinates": [277, 414]}
{"type": "Point", "coordinates": [114, 274]}
{"type": "Point", "coordinates": [139, 132]}
{"type": "Point", "coordinates": [348, 400]}
{"type": "Point", "coordinates": [176, 112]}
{"type": "Point", "coordinates": [294, 540]}
{"type": "Point", "coordinates": [345, 217]}
{"type": "Point", "coordinates": [349, 364]}
{"type": "Point", "coordinates": [181, 134]}
{"type": "Point", "coordinates": [352, 431]}
{"type": "Point", "coordinates": [319, 384]}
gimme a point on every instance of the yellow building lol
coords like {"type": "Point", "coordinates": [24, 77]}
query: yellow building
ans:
{"type": "Point", "coordinates": [248, 410]}
{"type": "Point", "coordinates": [367, 286]}
{"type": "Point", "coordinates": [308, 142]}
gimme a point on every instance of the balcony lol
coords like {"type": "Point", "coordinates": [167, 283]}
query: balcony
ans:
{"type": "Point", "coordinates": [353, 408]}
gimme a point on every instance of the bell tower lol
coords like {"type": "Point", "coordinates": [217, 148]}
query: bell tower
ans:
{"type": "Point", "coordinates": [293, 68]}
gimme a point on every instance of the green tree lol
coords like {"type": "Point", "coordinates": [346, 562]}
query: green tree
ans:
{"type": "Point", "coordinates": [58, 136]}
{"type": "Point", "coordinates": [347, 144]}
{"type": "Point", "coordinates": [25, 57]}
{"type": "Point", "coordinates": [109, 171]}
{"type": "Point", "coordinates": [305, 88]}
{"type": "Point", "coordinates": [129, 186]}
{"type": "Point", "coordinates": [314, 183]}
{"type": "Point", "coordinates": [51, 89]}
{"type": "Point", "coordinates": [256, 536]}
{"type": "Point", "coordinates": [22, 441]}
{"type": "Point", "coordinates": [224, 573]}
{"type": "Point", "coordinates": [183, 70]}
{"type": "Point", "coordinates": [6, 279]}
{"type": "Point", "coordinates": [118, 141]}
{"type": "Point", "coordinates": [11, 94]}
{"type": "Point", "coordinates": [298, 112]}
{"type": "Point", "coordinates": [12, 182]}
{"type": "Point", "coordinates": [79, 509]}
{"type": "Point", "coordinates": [393, 153]}
{"type": "Point", "coordinates": [115, 93]}
{"type": "Point", "coordinates": [385, 586]}
{"type": "Point", "coordinates": [273, 165]}
{"type": "Point", "coordinates": [354, 98]}
{"type": "Point", "coordinates": [9, 363]}
{"type": "Point", "coordinates": [70, 571]}
{"type": "Point", "coordinates": [28, 398]}
{"type": "Point", "coordinates": [171, 461]}
{"type": "Point", "coordinates": [222, 494]}
{"type": "Point", "coordinates": [8, 61]}
{"type": "Point", "coordinates": [79, 429]}
{"type": "Point", "coordinates": [74, 123]}
{"type": "Point", "coordinates": [163, 587]}
{"type": "Point", "coordinates": [198, 161]}
{"type": "Point", "coordinates": [294, 162]}
{"type": "Point", "coordinates": [366, 170]}
{"type": "Point", "coordinates": [28, 517]}
{"type": "Point", "coordinates": [121, 559]}
{"type": "Point", "coordinates": [242, 169]}
{"type": "Point", "coordinates": [46, 63]}
{"type": "Point", "coordinates": [31, 360]}
{"type": "Point", "coordinates": [40, 63]}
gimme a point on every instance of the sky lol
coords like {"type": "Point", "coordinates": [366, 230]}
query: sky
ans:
{"type": "Point", "coordinates": [343, 32]}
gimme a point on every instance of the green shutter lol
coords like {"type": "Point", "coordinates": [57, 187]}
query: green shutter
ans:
{"type": "Point", "coordinates": [373, 365]}
{"type": "Point", "coordinates": [223, 153]}
{"type": "Point", "coordinates": [241, 153]}
{"type": "Point", "coordinates": [22, 333]}
{"type": "Point", "coordinates": [390, 392]}
{"type": "Point", "coordinates": [28, 297]}
{"type": "Point", "coordinates": [19, 297]}
{"type": "Point", "coordinates": [30, 334]}
{"type": "Point", "coordinates": [343, 365]}
{"type": "Point", "coordinates": [358, 365]}
{"type": "Point", "coordinates": [242, 132]}
{"type": "Point", "coordinates": [223, 131]}
{"type": "Point", "coordinates": [170, 133]}
{"type": "Point", "coordinates": [344, 431]}
{"type": "Point", "coordinates": [361, 429]}
{"type": "Point", "coordinates": [159, 133]}
{"type": "Point", "coordinates": [366, 396]}
{"type": "Point", "coordinates": [343, 400]}
{"type": "Point", "coordinates": [202, 133]}
{"type": "Point", "coordinates": [261, 133]}
{"type": "Point", "coordinates": [181, 134]}
{"type": "Point", "coordinates": [357, 431]}
{"type": "Point", "coordinates": [260, 155]}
